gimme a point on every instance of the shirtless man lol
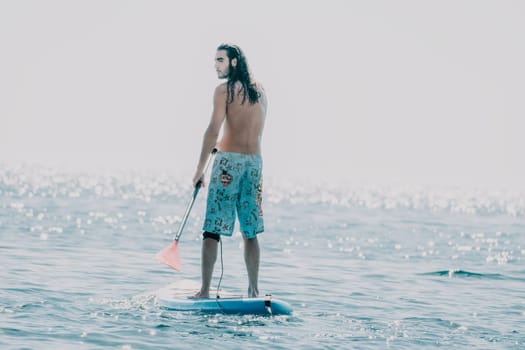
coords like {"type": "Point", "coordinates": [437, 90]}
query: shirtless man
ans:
{"type": "Point", "coordinates": [236, 178]}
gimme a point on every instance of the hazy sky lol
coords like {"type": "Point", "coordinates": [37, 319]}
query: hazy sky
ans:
{"type": "Point", "coordinates": [364, 91]}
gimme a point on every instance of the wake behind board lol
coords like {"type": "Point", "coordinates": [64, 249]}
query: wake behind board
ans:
{"type": "Point", "coordinates": [178, 296]}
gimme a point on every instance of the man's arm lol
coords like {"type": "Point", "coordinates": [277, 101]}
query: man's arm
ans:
{"type": "Point", "coordinates": [212, 132]}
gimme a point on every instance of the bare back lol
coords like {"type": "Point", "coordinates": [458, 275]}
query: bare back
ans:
{"type": "Point", "coordinates": [244, 124]}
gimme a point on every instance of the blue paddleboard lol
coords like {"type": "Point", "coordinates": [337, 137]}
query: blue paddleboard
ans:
{"type": "Point", "coordinates": [178, 296]}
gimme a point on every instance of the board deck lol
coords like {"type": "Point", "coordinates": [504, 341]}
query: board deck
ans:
{"type": "Point", "coordinates": [178, 296]}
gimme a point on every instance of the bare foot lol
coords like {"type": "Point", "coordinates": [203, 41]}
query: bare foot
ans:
{"type": "Point", "coordinates": [200, 295]}
{"type": "Point", "coordinates": [253, 292]}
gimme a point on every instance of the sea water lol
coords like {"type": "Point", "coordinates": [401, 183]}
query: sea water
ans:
{"type": "Point", "coordinates": [364, 267]}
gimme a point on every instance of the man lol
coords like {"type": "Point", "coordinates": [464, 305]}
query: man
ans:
{"type": "Point", "coordinates": [236, 178]}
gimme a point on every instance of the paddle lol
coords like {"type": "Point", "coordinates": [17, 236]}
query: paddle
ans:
{"type": "Point", "coordinates": [170, 254]}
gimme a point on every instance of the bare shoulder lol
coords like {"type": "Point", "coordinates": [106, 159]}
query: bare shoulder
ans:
{"type": "Point", "coordinates": [220, 93]}
{"type": "Point", "coordinates": [262, 92]}
{"type": "Point", "coordinates": [259, 86]}
{"type": "Point", "coordinates": [221, 88]}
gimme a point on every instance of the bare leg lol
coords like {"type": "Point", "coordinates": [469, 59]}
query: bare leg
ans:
{"type": "Point", "coordinates": [251, 258]}
{"type": "Point", "coordinates": [209, 256]}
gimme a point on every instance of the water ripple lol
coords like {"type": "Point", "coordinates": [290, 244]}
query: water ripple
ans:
{"type": "Point", "coordinates": [363, 267]}
{"type": "Point", "coordinates": [465, 274]}
{"type": "Point", "coordinates": [23, 182]}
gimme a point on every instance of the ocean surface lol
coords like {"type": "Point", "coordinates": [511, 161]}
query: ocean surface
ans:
{"type": "Point", "coordinates": [364, 267]}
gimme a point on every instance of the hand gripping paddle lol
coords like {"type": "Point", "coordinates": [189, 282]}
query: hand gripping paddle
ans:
{"type": "Point", "coordinates": [170, 254]}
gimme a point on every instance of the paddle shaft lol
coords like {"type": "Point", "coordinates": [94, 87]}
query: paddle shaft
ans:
{"type": "Point", "coordinates": [192, 200]}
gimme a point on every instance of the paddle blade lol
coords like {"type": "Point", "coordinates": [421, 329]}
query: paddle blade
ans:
{"type": "Point", "coordinates": [170, 256]}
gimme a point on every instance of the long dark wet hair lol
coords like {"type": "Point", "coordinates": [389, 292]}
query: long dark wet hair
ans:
{"type": "Point", "coordinates": [240, 73]}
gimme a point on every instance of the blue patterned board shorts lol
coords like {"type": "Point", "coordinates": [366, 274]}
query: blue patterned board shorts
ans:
{"type": "Point", "coordinates": [235, 187]}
